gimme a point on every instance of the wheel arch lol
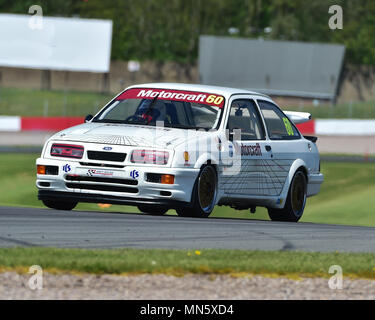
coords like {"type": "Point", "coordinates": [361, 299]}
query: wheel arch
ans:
{"type": "Point", "coordinates": [206, 159]}
{"type": "Point", "coordinates": [298, 164]}
{"type": "Point", "coordinates": [194, 194]}
{"type": "Point", "coordinates": [283, 212]}
{"type": "Point", "coordinates": [212, 164]}
{"type": "Point", "coordinates": [304, 170]}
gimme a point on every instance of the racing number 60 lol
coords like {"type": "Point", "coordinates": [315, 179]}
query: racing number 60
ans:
{"type": "Point", "coordinates": [214, 99]}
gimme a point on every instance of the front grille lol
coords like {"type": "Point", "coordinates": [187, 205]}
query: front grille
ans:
{"type": "Point", "coordinates": [102, 180]}
{"type": "Point", "coordinates": [93, 164]}
{"type": "Point", "coordinates": [106, 156]}
{"type": "Point", "coordinates": [101, 184]}
{"type": "Point", "coordinates": [98, 187]}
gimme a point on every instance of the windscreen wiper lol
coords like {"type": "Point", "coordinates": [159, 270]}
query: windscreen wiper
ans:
{"type": "Point", "coordinates": [182, 126]}
{"type": "Point", "coordinates": [109, 121]}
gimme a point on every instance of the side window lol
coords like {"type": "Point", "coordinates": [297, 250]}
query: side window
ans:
{"type": "Point", "coordinates": [278, 125]}
{"type": "Point", "coordinates": [244, 115]}
{"type": "Point", "coordinates": [204, 116]}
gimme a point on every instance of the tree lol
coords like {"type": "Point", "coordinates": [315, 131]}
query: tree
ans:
{"type": "Point", "coordinates": [170, 29]}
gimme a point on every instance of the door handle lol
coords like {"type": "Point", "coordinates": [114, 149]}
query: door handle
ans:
{"type": "Point", "coordinates": [268, 148]}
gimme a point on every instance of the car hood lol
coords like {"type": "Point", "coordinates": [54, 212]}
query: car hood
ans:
{"type": "Point", "coordinates": [128, 135]}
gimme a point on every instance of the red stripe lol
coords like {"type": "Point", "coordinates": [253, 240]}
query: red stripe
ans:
{"type": "Point", "coordinates": [49, 124]}
{"type": "Point", "coordinates": [307, 127]}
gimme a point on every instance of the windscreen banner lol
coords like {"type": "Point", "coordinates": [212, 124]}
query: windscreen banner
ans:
{"type": "Point", "coordinates": [174, 95]}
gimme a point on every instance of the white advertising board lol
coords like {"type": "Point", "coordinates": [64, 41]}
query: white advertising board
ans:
{"type": "Point", "coordinates": [68, 44]}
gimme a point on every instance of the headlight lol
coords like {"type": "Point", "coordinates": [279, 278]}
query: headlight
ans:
{"type": "Point", "coordinates": [67, 151]}
{"type": "Point", "coordinates": [150, 157]}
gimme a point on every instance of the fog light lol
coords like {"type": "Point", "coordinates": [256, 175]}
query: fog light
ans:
{"type": "Point", "coordinates": [44, 184]}
{"type": "Point", "coordinates": [41, 169]}
{"type": "Point", "coordinates": [167, 179]}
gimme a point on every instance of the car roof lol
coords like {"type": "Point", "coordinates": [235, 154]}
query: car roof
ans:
{"type": "Point", "coordinates": [224, 91]}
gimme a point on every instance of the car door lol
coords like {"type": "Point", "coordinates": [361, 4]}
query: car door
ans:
{"type": "Point", "coordinates": [285, 146]}
{"type": "Point", "coordinates": [244, 176]}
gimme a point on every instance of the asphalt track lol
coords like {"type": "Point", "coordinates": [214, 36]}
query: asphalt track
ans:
{"type": "Point", "coordinates": [28, 227]}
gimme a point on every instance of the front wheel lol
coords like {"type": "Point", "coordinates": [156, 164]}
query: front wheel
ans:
{"type": "Point", "coordinates": [295, 202]}
{"type": "Point", "coordinates": [59, 205]}
{"type": "Point", "coordinates": [153, 210]}
{"type": "Point", "coordinates": [204, 195]}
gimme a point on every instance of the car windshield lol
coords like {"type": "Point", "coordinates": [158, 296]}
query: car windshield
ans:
{"type": "Point", "coordinates": [170, 108]}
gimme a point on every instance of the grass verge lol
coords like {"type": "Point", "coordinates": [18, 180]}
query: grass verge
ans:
{"type": "Point", "coordinates": [32, 102]}
{"type": "Point", "coordinates": [180, 262]}
{"type": "Point", "coordinates": [356, 110]}
{"type": "Point", "coordinates": [29, 102]}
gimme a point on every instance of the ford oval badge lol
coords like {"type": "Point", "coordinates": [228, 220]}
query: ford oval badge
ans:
{"type": "Point", "coordinates": [107, 148]}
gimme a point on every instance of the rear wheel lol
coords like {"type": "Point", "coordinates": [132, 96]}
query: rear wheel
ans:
{"type": "Point", "coordinates": [153, 210]}
{"type": "Point", "coordinates": [204, 195]}
{"type": "Point", "coordinates": [295, 202]}
{"type": "Point", "coordinates": [59, 205]}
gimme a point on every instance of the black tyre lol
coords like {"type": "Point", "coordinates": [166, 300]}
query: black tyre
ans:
{"type": "Point", "coordinates": [203, 196]}
{"type": "Point", "coordinates": [295, 202]}
{"type": "Point", "coordinates": [59, 205]}
{"type": "Point", "coordinates": [153, 210]}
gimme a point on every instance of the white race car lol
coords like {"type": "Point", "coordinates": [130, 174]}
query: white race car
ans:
{"type": "Point", "coordinates": [184, 147]}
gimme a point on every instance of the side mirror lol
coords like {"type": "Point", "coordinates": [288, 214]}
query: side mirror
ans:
{"type": "Point", "coordinates": [89, 118]}
{"type": "Point", "coordinates": [231, 136]}
{"type": "Point", "coordinates": [234, 133]}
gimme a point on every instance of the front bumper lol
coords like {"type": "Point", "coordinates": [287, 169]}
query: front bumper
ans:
{"type": "Point", "coordinates": [99, 198]}
{"type": "Point", "coordinates": [126, 185]}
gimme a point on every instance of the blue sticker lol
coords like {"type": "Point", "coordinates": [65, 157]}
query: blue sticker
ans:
{"type": "Point", "coordinates": [230, 151]}
{"type": "Point", "coordinates": [67, 168]}
{"type": "Point", "coordinates": [134, 174]}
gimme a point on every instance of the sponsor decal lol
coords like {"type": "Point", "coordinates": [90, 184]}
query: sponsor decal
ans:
{"type": "Point", "coordinates": [248, 150]}
{"type": "Point", "coordinates": [96, 172]}
{"type": "Point", "coordinates": [67, 168]}
{"type": "Point", "coordinates": [134, 174]}
{"type": "Point", "coordinates": [107, 148]}
{"type": "Point", "coordinates": [280, 201]}
{"type": "Point", "coordinates": [175, 95]}
{"type": "Point", "coordinates": [230, 151]}
{"type": "Point", "coordinates": [288, 126]}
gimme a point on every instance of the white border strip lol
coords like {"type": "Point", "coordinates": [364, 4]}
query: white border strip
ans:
{"type": "Point", "coordinates": [349, 127]}
{"type": "Point", "coordinates": [10, 123]}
